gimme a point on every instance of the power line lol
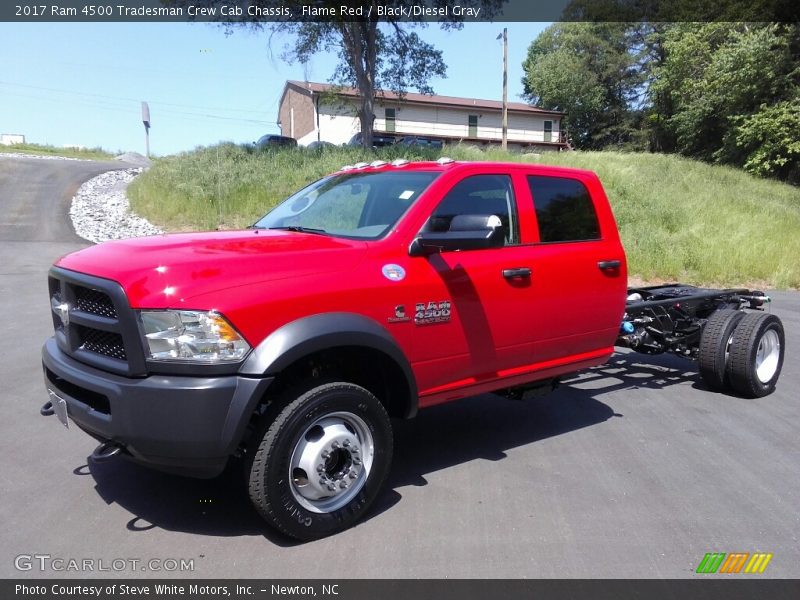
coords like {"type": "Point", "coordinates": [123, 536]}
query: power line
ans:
{"type": "Point", "coordinates": [92, 104]}
{"type": "Point", "coordinates": [47, 89]}
{"type": "Point", "coordinates": [104, 105]}
{"type": "Point", "coordinates": [149, 70]}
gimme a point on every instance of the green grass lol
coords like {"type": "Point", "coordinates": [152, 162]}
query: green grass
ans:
{"type": "Point", "coordinates": [679, 219]}
{"type": "Point", "coordinates": [86, 153]}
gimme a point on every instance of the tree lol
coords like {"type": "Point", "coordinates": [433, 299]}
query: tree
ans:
{"type": "Point", "coordinates": [372, 57]}
{"type": "Point", "coordinates": [770, 141]}
{"type": "Point", "coordinates": [591, 71]}
{"type": "Point", "coordinates": [557, 80]}
{"type": "Point", "coordinates": [733, 94]}
{"type": "Point", "coordinates": [724, 92]}
{"type": "Point", "coordinates": [376, 51]}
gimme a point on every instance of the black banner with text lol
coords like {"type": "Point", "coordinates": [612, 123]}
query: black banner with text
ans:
{"type": "Point", "coordinates": [404, 589]}
{"type": "Point", "coordinates": [233, 11]}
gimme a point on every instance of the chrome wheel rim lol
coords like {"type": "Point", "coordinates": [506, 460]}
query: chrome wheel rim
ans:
{"type": "Point", "coordinates": [767, 356]}
{"type": "Point", "coordinates": [331, 462]}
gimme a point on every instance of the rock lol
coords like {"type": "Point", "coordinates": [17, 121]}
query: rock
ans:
{"type": "Point", "coordinates": [100, 210]}
{"type": "Point", "coordinates": [135, 158]}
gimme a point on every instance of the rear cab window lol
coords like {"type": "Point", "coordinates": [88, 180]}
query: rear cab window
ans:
{"type": "Point", "coordinates": [564, 209]}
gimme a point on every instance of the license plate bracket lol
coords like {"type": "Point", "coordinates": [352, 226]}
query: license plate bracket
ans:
{"type": "Point", "coordinates": [59, 407]}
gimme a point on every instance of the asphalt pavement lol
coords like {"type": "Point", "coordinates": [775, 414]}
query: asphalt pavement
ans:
{"type": "Point", "coordinates": [632, 470]}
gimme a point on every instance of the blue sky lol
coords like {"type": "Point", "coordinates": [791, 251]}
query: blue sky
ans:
{"type": "Point", "coordinates": [83, 83]}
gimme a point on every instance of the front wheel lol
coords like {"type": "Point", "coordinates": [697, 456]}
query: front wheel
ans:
{"type": "Point", "coordinates": [322, 461]}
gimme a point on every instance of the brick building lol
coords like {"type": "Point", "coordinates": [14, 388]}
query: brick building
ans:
{"type": "Point", "coordinates": [317, 111]}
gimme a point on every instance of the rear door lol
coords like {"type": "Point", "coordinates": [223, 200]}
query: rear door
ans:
{"type": "Point", "coordinates": [579, 277]}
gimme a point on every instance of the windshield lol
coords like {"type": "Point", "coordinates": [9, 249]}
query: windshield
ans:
{"type": "Point", "coordinates": [357, 204]}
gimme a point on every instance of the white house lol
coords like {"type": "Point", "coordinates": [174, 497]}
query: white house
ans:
{"type": "Point", "coordinates": [318, 111]}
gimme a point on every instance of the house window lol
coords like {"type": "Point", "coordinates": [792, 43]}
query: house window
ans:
{"type": "Point", "coordinates": [548, 131]}
{"type": "Point", "coordinates": [390, 119]}
{"type": "Point", "coordinates": [472, 125]}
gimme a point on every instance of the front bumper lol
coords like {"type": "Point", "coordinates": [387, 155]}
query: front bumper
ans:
{"type": "Point", "coordinates": [186, 425]}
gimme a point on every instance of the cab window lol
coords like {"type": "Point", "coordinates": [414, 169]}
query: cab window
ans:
{"type": "Point", "coordinates": [564, 209]}
{"type": "Point", "coordinates": [479, 195]}
{"type": "Point", "coordinates": [358, 204]}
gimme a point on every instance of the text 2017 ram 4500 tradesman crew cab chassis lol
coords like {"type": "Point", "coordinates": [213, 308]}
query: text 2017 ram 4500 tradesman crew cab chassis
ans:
{"type": "Point", "coordinates": [371, 293]}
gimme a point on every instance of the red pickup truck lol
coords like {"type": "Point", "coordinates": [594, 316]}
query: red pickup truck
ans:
{"type": "Point", "coordinates": [373, 292]}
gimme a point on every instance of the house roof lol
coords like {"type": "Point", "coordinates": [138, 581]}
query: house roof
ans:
{"type": "Point", "coordinates": [317, 88]}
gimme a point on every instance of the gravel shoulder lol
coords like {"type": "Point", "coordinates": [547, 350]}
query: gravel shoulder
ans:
{"type": "Point", "coordinates": [100, 210]}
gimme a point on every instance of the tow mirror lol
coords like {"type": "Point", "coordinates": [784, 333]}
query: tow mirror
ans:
{"type": "Point", "coordinates": [466, 232]}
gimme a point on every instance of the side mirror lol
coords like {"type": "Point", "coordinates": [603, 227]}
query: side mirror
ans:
{"type": "Point", "coordinates": [466, 232]}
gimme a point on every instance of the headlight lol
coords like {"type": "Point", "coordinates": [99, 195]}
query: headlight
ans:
{"type": "Point", "coordinates": [185, 335]}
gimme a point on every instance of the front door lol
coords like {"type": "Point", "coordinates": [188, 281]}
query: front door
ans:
{"type": "Point", "coordinates": [472, 315]}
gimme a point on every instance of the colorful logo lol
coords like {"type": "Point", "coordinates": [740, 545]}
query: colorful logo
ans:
{"type": "Point", "coordinates": [734, 562]}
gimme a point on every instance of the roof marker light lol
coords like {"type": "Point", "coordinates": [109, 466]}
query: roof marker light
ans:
{"type": "Point", "coordinates": [399, 162]}
{"type": "Point", "coordinates": [347, 168]}
{"type": "Point", "coordinates": [361, 165]}
{"type": "Point", "coordinates": [445, 160]}
{"type": "Point", "coordinates": [377, 163]}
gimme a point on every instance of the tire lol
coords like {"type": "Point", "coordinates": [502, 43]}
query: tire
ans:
{"type": "Point", "coordinates": [756, 355]}
{"type": "Point", "coordinates": [322, 461]}
{"type": "Point", "coordinates": [713, 353]}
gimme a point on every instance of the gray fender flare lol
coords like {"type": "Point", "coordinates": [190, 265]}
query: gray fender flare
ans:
{"type": "Point", "coordinates": [319, 332]}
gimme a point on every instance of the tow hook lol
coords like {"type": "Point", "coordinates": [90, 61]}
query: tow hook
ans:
{"type": "Point", "coordinates": [47, 409]}
{"type": "Point", "coordinates": [106, 451]}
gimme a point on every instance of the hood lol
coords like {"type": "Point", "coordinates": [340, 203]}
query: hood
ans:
{"type": "Point", "coordinates": [166, 270]}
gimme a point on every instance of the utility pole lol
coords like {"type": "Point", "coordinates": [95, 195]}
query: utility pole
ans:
{"type": "Point", "coordinates": [504, 143]}
{"type": "Point", "coordinates": [146, 121]}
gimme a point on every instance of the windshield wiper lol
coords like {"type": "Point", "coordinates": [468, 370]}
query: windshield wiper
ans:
{"type": "Point", "coordinates": [299, 228]}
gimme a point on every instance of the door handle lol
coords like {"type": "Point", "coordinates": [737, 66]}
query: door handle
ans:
{"type": "Point", "coordinates": [517, 273]}
{"type": "Point", "coordinates": [608, 265]}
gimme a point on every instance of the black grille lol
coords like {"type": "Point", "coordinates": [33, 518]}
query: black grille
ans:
{"type": "Point", "coordinates": [94, 302]}
{"type": "Point", "coordinates": [100, 329]}
{"type": "Point", "coordinates": [101, 342]}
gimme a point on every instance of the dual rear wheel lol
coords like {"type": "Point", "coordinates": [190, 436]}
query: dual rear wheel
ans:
{"type": "Point", "coordinates": [742, 352]}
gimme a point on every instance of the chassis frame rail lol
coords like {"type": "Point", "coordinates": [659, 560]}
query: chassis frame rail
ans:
{"type": "Point", "coordinates": [671, 318]}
